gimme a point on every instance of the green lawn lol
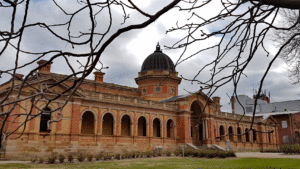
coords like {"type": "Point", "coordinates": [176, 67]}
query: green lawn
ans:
{"type": "Point", "coordinates": [176, 163]}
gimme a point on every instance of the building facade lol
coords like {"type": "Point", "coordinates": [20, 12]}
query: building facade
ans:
{"type": "Point", "coordinates": [114, 118]}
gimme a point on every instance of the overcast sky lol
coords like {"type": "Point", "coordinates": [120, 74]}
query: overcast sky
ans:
{"type": "Point", "coordinates": [126, 54]}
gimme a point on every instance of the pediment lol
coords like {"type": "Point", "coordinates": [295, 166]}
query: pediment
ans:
{"type": "Point", "coordinates": [47, 83]}
{"type": "Point", "coordinates": [270, 120]}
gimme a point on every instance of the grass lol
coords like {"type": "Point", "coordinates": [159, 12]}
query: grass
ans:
{"type": "Point", "coordinates": [176, 163]}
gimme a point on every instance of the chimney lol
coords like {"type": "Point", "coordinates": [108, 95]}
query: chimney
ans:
{"type": "Point", "coordinates": [18, 76]}
{"type": "Point", "coordinates": [216, 99]}
{"type": "Point", "coordinates": [46, 68]}
{"type": "Point", "coordinates": [232, 104]}
{"type": "Point", "coordinates": [99, 76]}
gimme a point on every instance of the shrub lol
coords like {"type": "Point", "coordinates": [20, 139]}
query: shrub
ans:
{"type": "Point", "coordinates": [41, 160]}
{"type": "Point", "coordinates": [61, 158]}
{"type": "Point", "coordinates": [212, 154]}
{"type": "Point", "coordinates": [195, 153]}
{"type": "Point", "coordinates": [108, 157]}
{"type": "Point", "coordinates": [90, 157]}
{"type": "Point", "coordinates": [81, 157]}
{"type": "Point", "coordinates": [133, 155]}
{"type": "Point", "coordinates": [70, 158]}
{"type": "Point", "coordinates": [148, 154]}
{"type": "Point", "coordinates": [51, 159]}
{"type": "Point", "coordinates": [201, 154]}
{"type": "Point", "coordinates": [98, 156]}
{"type": "Point", "coordinates": [118, 156]}
{"type": "Point", "coordinates": [177, 152]}
{"type": "Point", "coordinates": [231, 154]}
{"type": "Point", "coordinates": [168, 153]}
{"type": "Point", "coordinates": [222, 154]}
{"type": "Point", "coordinates": [33, 159]}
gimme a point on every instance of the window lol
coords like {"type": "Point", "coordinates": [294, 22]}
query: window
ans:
{"type": "Point", "coordinates": [257, 108]}
{"type": "Point", "coordinates": [171, 90]}
{"type": "Point", "coordinates": [254, 136]}
{"type": "Point", "coordinates": [45, 117]}
{"type": "Point", "coordinates": [230, 132]}
{"type": "Point", "coordinates": [144, 91]}
{"type": "Point", "coordinates": [239, 136]}
{"type": "Point", "coordinates": [125, 125]}
{"type": "Point", "coordinates": [87, 124]}
{"type": "Point", "coordinates": [283, 124]}
{"type": "Point", "coordinates": [247, 135]}
{"type": "Point", "coordinates": [142, 126]}
{"type": "Point", "coordinates": [222, 132]}
{"type": "Point", "coordinates": [108, 124]}
{"type": "Point", "coordinates": [249, 109]}
{"type": "Point", "coordinates": [158, 89]}
{"type": "Point", "coordinates": [156, 127]}
{"type": "Point", "coordinates": [285, 139]}
{"type": "Point", "coordinates": [170, 128]}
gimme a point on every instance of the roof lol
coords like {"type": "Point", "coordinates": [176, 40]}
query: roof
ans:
{"type": "Point", "coordinates": [158, 61]}
{"type": "Point", "coordinates": [175, 98]}
{"type": "Point", "coordinates": [266, 115]}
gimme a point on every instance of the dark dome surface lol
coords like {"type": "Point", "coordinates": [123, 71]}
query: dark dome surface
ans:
{"type": "Point", "coordinates": [158, 61]}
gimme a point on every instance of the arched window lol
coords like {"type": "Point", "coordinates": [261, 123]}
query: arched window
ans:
{"type": "Point", "coordinates": [108, 125]}
{"type": "Point", "coordinates": [45, 117]}
{"type": "Point", "coordinates": [230, 132]}
{"type": "Point", "coordinates": [156, 127]}
{"type": "Point", "coordinates": [270, 136]}
{"type": "Point", "coordinates": [247, 135]}
{"type": "Point", "coordinates": [170, 128]}
{"type": "Point", "coordinates": [142, 126]}
{"type": "Point", "coordinates": [125, 125]}
{"type": "Point", "coordinates": [239, 131]}
{"type": "Point", "coordinates": [254, 136]}
{"type": "Point", "coordinates": [222, 132]}
{"type": "Point", "coordinates": [87, 123]}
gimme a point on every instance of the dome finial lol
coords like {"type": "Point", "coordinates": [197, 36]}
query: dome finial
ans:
{"type": "Point", "coordinates": [158, 47]}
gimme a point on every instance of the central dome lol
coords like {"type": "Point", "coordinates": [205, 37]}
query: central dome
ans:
{"type": "Point", "coordinates": [158, 61]}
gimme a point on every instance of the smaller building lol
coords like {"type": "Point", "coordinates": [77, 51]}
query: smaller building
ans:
{"type": "Point", "coordinates": [286, 114]}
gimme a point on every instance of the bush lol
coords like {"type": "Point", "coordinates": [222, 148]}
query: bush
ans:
{"type": "Point", "coordinates": [148, 154]}
{"type": "Point", "coordinates": [98, 156]}
{"type": "Point", "coordinates": [201, 154]}
{"type": "Point", "coordinates": [177, 152]}
{"type": "Point", "coordinates": [70, 158]}
{"type": "Point", "coordinates": [108, 157]}
{"type": "Point", "coordinates": [61, 158]}
{"type": "Point", "coordinates": [41, 160]}
{"type": "Point", "coordinates": [212, 154]}
{"type": "Point", "coordinates": [195, 153]}
{"type": "Point", "coordinates": [33, 159]}
{"type": "Point", "coordinates": [51, 159]}
{"type": "Point", "coordinates": [168, 153]}
{"type": "Point", "coordinates": [222, 154]}
{"type": "Point", "coordinates": [90, 157]}
{"type": "Point", "coordinates": [81, 157]}
{"type": "Point", "coordinates": [290, 149]}
{"type": "Point", "coordinates": [231, 154]}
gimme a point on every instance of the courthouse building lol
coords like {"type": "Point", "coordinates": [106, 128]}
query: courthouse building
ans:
{"type": "Point", "coordinates": [113, 118]}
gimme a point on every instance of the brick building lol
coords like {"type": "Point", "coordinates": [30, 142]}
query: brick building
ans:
{"type": "Point", "coordinates": [114, 118]}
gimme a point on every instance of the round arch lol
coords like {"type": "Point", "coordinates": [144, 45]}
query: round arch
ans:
{"type": "Point", "coordinates": [89, 110]}
{"type": "Point", "coordinates": [231, 132]}
{"type": "Point", "coordinates": [88, 122]}
{"type": "Point", "coordinates": [146, 118]}
{"type": "Point", "coordinates": [222, 132]}
{"type": "Point", "coordinates": [142, 122]}
{"type": "Point", "coordinates": [126, 122]}
{"type": "Point", "coordinates": [109, 112]}
{"type": "Point", "coordinates": [170, 128]}
{"type": "Point", "coordinates": [131, 119]}
{"type": "Point", "coordinates": [157, 126]}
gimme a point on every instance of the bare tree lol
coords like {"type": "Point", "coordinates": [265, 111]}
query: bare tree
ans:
{"type": "Point", "coordinates": [97, 41]}
{"type": "Point", "coordinates": [244, 15]}
{"type": "Point", "coordinates": [244, 27]}
{"type": "Point", "coordinates": [290, 53]}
